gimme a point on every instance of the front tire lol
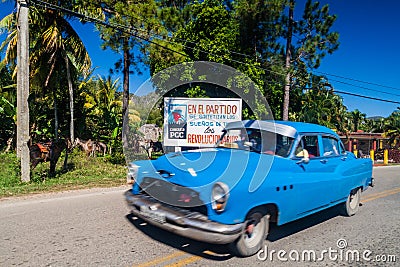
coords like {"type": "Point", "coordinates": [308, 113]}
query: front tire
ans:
{"type": "Point", "coordinates": [350, 207]}
{"type": "Point", "coordinates": [253, 235]}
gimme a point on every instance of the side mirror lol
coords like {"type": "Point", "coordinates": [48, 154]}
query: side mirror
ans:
{"type": "Point", "coordinates": [304, 160]}
{"type": "Point", "coordinates": [305, 157]}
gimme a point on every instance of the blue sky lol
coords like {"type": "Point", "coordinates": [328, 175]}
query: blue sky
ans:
{"type": "Point", "coordinates": [369, 51]}
{"type": "Point", "coordinates": [369, 43]}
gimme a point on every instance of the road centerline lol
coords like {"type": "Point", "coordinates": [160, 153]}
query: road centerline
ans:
{"type": "Point", "coordinates": [380, 194]}
{"type": "Point", "coordinates": [162, 259]}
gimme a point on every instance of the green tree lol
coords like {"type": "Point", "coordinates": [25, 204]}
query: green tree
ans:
{"type": "Point", "coordinates": [102, 106]}
{"type": "Point", "coordinates": [210, 34]}
{"type": "Point", "coordinates": [314, 39]}
{"type": "Point", "coordinates": [59, 43]}
{"type": "Point", "coordinates": [378, 125]}
{"type": "Point", "coordinates": [165, 52]}
{"type": "Point", "coordinates": [319, 104]}
{"type": "Point", "coordinates": [358, 119]}
{"type": "Point", "coordinates": [136, 23]}
{"type": "Point", "coordinates": [260, 35]}
{"type": "Point", "coordinates": [392, 128]}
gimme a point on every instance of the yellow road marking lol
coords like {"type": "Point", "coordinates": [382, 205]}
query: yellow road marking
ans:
{"type": "Point", "coordinates": [161, 259]}
{"type": "Point", "coordinates": [211, 253]}
{"type": "Point", "coordinates": [184, 261]}
{"type": "Point", "coordinates": [380, 194]}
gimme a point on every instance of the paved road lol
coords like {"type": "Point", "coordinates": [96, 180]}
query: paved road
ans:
{"type": "Point", "coordinates": [94, 228]}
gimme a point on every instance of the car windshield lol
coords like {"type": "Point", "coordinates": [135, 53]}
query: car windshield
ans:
{"type": "Point", "coordinates": [257, 140]}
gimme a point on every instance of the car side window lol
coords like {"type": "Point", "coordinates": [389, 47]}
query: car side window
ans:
{"type": "Point", "coordinates": [309, 143]}
{"type": "Point", "coordinates": [284, 145]}
{"type": "Point", "coordinates": [330, 146]}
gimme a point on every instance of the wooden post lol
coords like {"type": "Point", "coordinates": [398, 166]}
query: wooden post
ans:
{"type": "Point", "coordinates": [23, 90]}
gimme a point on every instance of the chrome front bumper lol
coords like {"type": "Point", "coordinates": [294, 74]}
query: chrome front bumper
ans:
{"type": "Point", "coordinates": [180, 221]}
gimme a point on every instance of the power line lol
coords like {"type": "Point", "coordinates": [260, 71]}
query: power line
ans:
{"type": "Point", "coordinates": [367, 97]}
{"type": "Point", "coordinates": [164, 37]}
{"type": "Point", "coordinates": [134, 32]}
{"type": "Point", "coordinates": [130, 28]}
{"type": "Point", "coordinates": [356, 80]}
{"type": "Point", "coordinates": [365, 88]}
{"type": "Point", "coordinates": [98, 21]}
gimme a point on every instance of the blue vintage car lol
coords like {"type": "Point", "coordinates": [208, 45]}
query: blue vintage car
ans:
{"type": "Point", "coordinates": [259, 171]}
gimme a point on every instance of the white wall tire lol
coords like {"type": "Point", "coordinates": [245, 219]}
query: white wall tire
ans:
{"type": "Point", "coordinates": [351, 206]}
{"type": "Point", "coordinates": [253, 235]}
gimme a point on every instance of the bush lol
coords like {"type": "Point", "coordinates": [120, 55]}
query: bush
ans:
{"type": "Point", "coordinates": [394, 155]}
{"type": "Point", "coordinates": [10, 170]}
{"type": "Point", "coordinates": [116, 158]}
{"type": "Point", "coordinates": [82, 172]}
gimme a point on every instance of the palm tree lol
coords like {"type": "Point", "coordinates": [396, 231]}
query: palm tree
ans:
{"type": "Point", "coordinates": [392, 128]}
{"type": "Point", "coordinates": [9, 24]}
{"type": "Point", "coordinates": [58, 42]}
{"type": "Point", "coordinates": [106, 94]}
{"type": "Point", "coordinates": [378, 126]}
{"type": "Point", "coordinates": [103, 107]}
{"type": "Point", "coordinates": [358, 118]}
{"type": "Point", "coordinates": [55, 45]}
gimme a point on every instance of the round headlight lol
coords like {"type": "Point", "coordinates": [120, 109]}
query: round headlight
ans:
{"type": "Point", "coordinates": [219, 196]}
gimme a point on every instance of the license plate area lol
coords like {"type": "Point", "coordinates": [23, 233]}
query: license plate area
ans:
{"type": "Point", "coordinates": [153, 214]}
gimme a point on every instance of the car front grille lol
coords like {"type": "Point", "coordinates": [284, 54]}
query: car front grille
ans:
{"type": "Point", "coordinates": [173, 195]}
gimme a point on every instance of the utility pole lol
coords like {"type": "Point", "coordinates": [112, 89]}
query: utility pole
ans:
{"type": "Point", "coordinates": [286, 92]}
{"type": "Point", "coordinates": [23, 90]}
{"type": "Point", "coordinates": [125, 95]}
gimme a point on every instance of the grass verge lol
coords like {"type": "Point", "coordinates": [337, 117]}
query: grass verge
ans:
{"type": "Point", "coordinates": [82, 172]}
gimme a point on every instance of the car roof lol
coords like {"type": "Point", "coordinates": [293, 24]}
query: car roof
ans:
{"type": "Point", "coordinates": [286, 128]}
{"type": "Point", "coordinates": [304, 127]}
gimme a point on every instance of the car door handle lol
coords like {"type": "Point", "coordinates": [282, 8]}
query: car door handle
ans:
{"type": "Point", "coordinates": [323, 161]}
{"type": "Point", "coordinates": [344, 158]}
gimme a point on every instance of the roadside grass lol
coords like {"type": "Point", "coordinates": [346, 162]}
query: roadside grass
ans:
{"type": "Point", "coordinates": [82, 172]}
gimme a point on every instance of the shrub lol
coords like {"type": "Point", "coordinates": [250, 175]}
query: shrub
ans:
{"type": "Point", "coordinates": [10, 170]}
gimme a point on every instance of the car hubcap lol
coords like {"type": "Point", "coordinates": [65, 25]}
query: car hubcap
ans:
{"type": "Point", "coordinates": [253, 233]}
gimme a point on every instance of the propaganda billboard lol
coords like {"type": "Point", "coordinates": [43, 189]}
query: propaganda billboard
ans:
{"type": "Point", "coordinates": [198, 122]}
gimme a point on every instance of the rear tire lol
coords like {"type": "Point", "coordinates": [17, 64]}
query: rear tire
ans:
{"type": "Point", "coordinates": [253, 235]}
{"type": "Point", "coordinates": [350, 207]}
